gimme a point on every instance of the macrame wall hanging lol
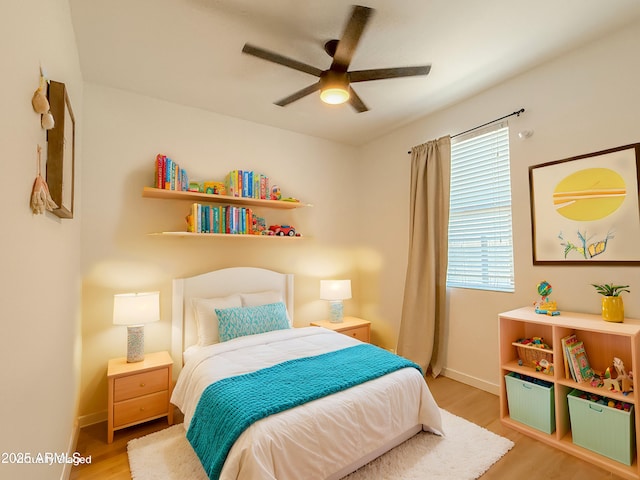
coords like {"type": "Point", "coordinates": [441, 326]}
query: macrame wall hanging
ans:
{"type": "Point", "coordinates": [40, 197]}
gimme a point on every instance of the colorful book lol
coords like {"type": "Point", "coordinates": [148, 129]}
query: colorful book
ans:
{"type": "Point", "coordinates": [160, 162]}
{"type": "Point", "coordinates": [581, 362]}
{"type": "Point", "coordinates": [245, 183]}
{"type": "Point", "coordinates": [194, 218]}
{"type": "Point", "coordinates": [568, 366]}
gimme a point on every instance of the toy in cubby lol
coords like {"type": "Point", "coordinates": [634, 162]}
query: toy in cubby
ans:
{"type": "Point", "coordinates": [535, 381]}
{"type": "Point", "coordinates": [535, 353]}
{"type": "Point", "coordinates": [622, 382]}
{"type": "Point", "coordinates": [600, 400]}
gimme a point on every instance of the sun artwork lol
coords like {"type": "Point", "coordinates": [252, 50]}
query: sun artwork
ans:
{"type": "Point", "coordinates": [589, 194]}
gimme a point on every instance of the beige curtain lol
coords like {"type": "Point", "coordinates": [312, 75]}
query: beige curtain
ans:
{"type": "Point", "coordinates": [423, 323]}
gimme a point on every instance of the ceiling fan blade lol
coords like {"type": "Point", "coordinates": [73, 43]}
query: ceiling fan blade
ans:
{"type": "Point", "coordinates": [382, 73]}
{"type": "Point", "coordinates": [282, 60]}
{"type": "Point", "coordinates": [356, 102]}
{"type": "Point", "coordinates": [350, 38]}
{"type": "Point", "coordinates": [299, 94]}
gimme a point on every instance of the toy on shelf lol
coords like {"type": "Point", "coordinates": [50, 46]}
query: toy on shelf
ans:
{"type": "Point", "coordinates": [623, 381]}
{"type": "Point", "coordinates": [259, 225]}
{"type": "Point", "coordinates": [216, 188]}
{"type": "Point", "coordinates": [626, 379]}
{"type": "Point", "coordinates": [610, 383]}
{"type": "Point", "coordinates": [544, 305]}
{"type": "Point", "coordinates": [282, 230]}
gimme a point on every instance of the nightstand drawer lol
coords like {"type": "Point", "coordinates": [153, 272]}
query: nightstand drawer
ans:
{"type": "Point", "coordinates": [350, 326]}
{"type": "Point", "coordinates": [141, 408]}
{"type": "Point", "coordinates": [359, 333]}
{"type": "Point", "coordinates": [133, 386]}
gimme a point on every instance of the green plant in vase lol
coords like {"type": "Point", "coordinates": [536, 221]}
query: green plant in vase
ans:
{"type": "Point", "coordinates": [612, 304]}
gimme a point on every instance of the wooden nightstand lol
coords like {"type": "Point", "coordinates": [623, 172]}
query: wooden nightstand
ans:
{"type": "Point", "coordinates": [139, 392]}
{"type": "Point", "coordinates": [351, 326]}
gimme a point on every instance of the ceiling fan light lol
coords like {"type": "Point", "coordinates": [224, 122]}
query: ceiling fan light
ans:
{"type": "Point", "coordinates": [334, 95]}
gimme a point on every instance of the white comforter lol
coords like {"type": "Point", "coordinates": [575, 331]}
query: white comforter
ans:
{"type": "Point", "coordinates": [320, 439]}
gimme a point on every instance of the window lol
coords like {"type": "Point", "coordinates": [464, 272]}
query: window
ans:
{"type": "Point", "coordinates": [480, 234]}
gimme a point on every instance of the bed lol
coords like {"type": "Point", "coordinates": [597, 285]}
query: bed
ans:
{"type": "Point", "coordinates": [327, 437]}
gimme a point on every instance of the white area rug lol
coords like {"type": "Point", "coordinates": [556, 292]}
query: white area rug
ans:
{"type": "Point", "coordinates": [466, 452]}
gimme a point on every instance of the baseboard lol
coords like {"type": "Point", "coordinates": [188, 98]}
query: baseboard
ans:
{"type": "Point", "coordinates": [92, 419]}
{"type": "Point", "coordinates": [473, 381]}
{"type": "Point", "coordinates": [71, 449]}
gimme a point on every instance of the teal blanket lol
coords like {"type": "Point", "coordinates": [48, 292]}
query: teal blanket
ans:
{"type": "Point", "coordinates": [229, 406]}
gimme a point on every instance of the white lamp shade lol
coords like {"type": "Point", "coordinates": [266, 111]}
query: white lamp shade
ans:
{"type": "Point", "coordinates": [335, 289]}
{"type": "Point", "coordinates": [136, 308]}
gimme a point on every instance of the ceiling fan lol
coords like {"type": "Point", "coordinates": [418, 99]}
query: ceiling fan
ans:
{"type": "Point", "coordinates": [335, 83]}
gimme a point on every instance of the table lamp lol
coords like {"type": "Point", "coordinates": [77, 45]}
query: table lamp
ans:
{"type": "Point", "coordinates": [335, 291]}
{"type": "Point", "coordinates": [134, 310]}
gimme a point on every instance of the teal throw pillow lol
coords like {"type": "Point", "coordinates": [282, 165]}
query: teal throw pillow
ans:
{"type": "Point", "coordinates": [241, 321]}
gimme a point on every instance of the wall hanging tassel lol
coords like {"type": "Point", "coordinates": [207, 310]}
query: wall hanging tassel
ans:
{"type": "Point", "coordinates": [40, 197]}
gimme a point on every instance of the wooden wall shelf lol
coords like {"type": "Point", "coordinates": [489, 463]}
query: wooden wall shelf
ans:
{"type": "Point", "coordinates": [221, 235]}
{"type": "Point", "coordinates": [150, 192]}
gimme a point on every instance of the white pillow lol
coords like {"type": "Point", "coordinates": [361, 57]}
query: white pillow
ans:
{"type": "Point", "coordinates": [263, 298]}
{"type": "Point", "coordinates": [260, 298]}
{"type": "Point", "coordinates": [206, 319]}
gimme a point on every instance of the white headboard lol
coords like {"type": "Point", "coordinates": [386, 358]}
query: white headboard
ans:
{"type": "Point", "coordinates": [219, 283]}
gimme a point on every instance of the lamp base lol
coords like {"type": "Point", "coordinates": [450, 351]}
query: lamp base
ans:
{"type": "Point", "coordinates": [135, 343]}
{"type": "Point", "coordinates": [336, 311]}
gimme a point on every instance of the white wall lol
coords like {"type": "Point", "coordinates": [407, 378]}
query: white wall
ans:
{"type": "Point", "coordinates": [123, 134]}
{"type": "Point", "coordinates": [585, 101]}
{"type": "Point", "coordinates": [40, 343]}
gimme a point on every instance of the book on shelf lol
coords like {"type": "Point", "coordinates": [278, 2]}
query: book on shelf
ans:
{"type": "Point", "coordinates": [247, 184]}
{"type": "Point", "coordinates": [568, 366]}
{"type": "Point", "coordinates": [576, 361]}
{"type": "Point", "coordinates": [169, 175]}
{"type": "Point", "coordinates": [581, 362]}
{"type": "Point", "coordinates": [220, 219]}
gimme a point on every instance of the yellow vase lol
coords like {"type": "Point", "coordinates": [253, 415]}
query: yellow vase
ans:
{"type": "Point", "coordinates": [613, 309]}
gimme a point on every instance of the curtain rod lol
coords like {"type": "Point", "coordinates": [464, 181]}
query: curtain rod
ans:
{"type": "Point", "coordinates": [517, 114]}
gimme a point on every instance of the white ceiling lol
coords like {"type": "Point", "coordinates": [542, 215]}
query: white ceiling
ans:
{"type": "Point", "coordinates": [189, 52]}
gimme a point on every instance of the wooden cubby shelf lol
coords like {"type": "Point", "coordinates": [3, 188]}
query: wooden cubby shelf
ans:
{"type": "Point", "coordinates": [603, 341]}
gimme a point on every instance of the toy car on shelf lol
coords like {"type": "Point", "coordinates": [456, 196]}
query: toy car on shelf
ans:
{"type": "Point", "coordinates": [283, 230]}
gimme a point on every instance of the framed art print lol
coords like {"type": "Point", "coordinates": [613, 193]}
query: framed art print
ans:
{"type": "Point", "coordinates": [585, 209]}
{"type": "Point", "coordinates": [61, 151]}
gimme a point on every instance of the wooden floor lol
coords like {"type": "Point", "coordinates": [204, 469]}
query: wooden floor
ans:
{"type": "Point", "coordinates": [527, 459]}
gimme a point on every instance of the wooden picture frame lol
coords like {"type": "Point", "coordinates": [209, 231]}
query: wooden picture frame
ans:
{"type": "Point", "coordinates": [585, 209]}
{"type": "Point", "coordinates": [61, 151]}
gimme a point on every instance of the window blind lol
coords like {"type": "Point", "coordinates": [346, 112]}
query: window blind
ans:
{"type": "Point", "coordinates": [480, 232]}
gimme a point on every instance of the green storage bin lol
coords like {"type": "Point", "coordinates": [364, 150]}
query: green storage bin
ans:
{"type": "Point", "coordinates": [602, 429]}
{"type": "Point", "coordinates": [531, 403]}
